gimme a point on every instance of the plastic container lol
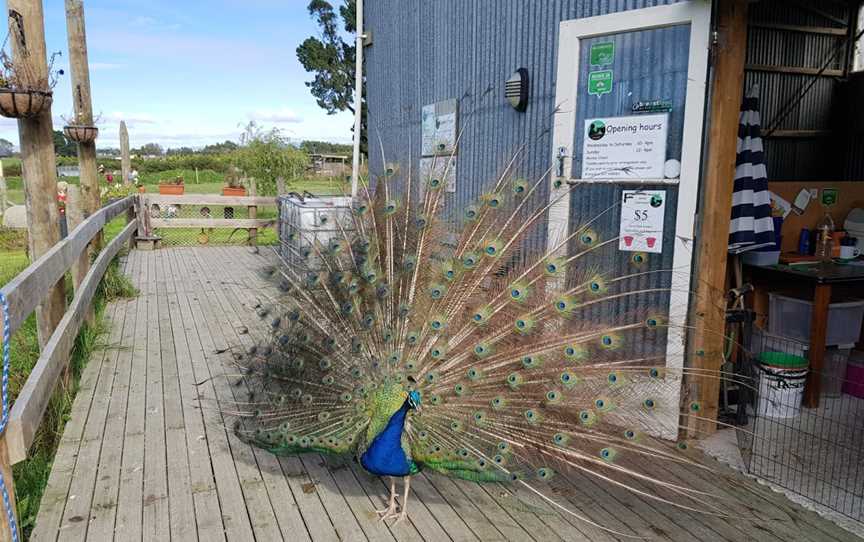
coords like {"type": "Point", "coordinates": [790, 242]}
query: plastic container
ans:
{"type": "Point", "coordinates": [789, 316]}
{"type": "Point", "coordinates": [854, 384]}
{"type": "Point", "coordinates": [761, 258]}
{"type": "Point", "coordinates": [781, 384]}
{"type": "Point", "coordinates": [834, 367]}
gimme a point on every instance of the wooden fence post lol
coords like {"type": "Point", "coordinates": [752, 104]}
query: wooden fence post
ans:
{"type": "Point", "coordinates": [280, 186]}
{"type": "Point", "coordinates": [4, 201]}
{"type": "Point", "coordinates": [725, 107]}
{"type": "Point", "coordinates": [75, 216]}
{"type": "Point", "coordinates": [253, 212]}
{"type": "Point", "coordinates": [125, 160]}
{"type": "Point", "coordinates": [83, 104]}
{"type": "Point", "coordinates": [39, 167]}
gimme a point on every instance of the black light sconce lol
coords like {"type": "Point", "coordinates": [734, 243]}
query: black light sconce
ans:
{"type": "Point", "coordinates": [516, 90]}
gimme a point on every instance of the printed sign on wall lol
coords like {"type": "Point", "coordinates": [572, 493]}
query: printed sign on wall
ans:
{"type": "Point", "coordinates": [625, 147]}
{"type": "Point", "coordinates": [642, 217]}
{"type": "Point", "coordinates": [439, 124]}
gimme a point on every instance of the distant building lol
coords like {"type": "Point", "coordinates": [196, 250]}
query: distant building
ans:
{"type": "Point", "coordinates": [329, 165]}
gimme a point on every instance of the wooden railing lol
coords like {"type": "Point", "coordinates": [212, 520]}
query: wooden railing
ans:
{"type": "Point", "coordinates": [149, 223]}
{"type": "Point", "coordinates": [26, 291]}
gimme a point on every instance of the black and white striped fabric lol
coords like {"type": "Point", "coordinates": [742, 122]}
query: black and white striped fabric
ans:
{"type": "Point", "coordinates": [752, 226]}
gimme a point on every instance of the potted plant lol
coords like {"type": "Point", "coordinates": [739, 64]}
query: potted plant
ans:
{"type": "Point", "coordinates": [77, 130]}
{"type": "Point", "coordinates": [172, 188]}
{"type": "Point", "coordinates": [233, 183]}
{"type": "Point", "coordinates": [24, 94]}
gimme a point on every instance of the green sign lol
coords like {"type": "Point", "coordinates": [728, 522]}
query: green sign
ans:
{"type": "Point", "coordinates": [600, 83]}
{"type": "Point", "coordinates": [829, 196]}
{"type": "Point", "coordinates": [602, 54]}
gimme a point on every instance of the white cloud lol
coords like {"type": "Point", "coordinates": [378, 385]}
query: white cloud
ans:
{"type": "Point", "coordinates": [283, 115]}
{"type": "Point", "coordinates": [130, 118]}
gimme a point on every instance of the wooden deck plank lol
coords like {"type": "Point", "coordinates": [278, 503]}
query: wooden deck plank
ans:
{"type": "Point", "coordinates": [156, 517]}
{"type": "Point", "coordinates": [158, 400]}
{"type": "Point", "coordinates": [130, 501]}
{"type": "Point", "coordinates": [234, 514]}
{"type": "Point", "coordinates": [181, 504]}
{"type": "Point", "coordinates": [208, 516]}
{"type": "Point", "coordinates": [77, 516]}
{"type": "Point", "coordinates": [284, 505]}
{"type": "Point", "coordinates": [104, 504]}
{"type": "Point", "coordinates": [257, 501]}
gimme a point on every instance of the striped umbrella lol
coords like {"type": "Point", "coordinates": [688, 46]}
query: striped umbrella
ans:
{"type": "Point", "coordinates": [751, 226]}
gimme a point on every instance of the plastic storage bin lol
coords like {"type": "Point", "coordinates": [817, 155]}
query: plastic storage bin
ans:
{"type": "Point", "coordinates": [761, 258]}
{"type": "Point", "coordinates": [789, 316]}
{"type": "Point", "coordinates": [854, 384]}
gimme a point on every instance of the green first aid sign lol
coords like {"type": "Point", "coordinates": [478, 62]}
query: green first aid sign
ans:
{"type": "Point", "coordinates": [600, 83]}
{"type": "Point", "coordinates": [602, 54]}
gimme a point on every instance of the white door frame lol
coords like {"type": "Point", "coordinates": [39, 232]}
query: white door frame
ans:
{"type": "Point", "coordinates": [696, 13]}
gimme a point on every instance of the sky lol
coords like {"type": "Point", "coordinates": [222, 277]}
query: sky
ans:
{"type": "Point", "coordinates": [190, 72]}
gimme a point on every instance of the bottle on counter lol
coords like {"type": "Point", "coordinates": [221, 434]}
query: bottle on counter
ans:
{"type": "Point", "coordinates": [824, 238]}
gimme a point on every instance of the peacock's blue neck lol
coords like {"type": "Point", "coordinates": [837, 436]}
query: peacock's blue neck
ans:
{"type": "Point", "coordinates": [385, 456]}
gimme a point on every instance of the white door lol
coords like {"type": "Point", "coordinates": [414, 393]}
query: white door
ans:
{"type": "Point", "coordinates": [630, 105]}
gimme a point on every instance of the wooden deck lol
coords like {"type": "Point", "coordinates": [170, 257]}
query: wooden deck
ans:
{"type": "Point", "coordinates": [141, 459]}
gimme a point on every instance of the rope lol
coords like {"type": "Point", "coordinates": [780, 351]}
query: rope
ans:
{"type": "Point", "coordinates": [4, 419]}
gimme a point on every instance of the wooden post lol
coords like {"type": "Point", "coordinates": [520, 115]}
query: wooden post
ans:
{"type": "Point", "coordinates": [253, 212]}
{"type": "Point", "coordinates": [39, 168]}
{"type": "Point", "coordinates": [125, 160]}
{"type": "Point", "coordinates": [4, 200]}
{"type": "Point", "coordinates": [75, 215]}
{"type": "Point", "coordinates": [38, 164]}
{"type": "Point", "coordinates": [81, 98]}
{"type": "Point", "coordinates": [280, 186]}
{"type": "Point", "coordinates": [725, 107]}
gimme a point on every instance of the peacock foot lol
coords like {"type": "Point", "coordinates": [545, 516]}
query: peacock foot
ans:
{"type": "Point", "coordinates": [401, 517]}
{"type": "Point", "coordinates": [387, 513]}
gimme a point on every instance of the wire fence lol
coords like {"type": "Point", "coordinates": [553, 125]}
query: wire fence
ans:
{"type": "Point", "coordinates": [202, 224]}
{"type": "Point", "coordinates": [817, 453]}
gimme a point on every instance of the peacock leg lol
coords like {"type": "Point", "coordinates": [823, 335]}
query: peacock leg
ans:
{"type": "Point", "coordinates": [404, 512]}
{"type": "Point", "coordinates": [390, 511]}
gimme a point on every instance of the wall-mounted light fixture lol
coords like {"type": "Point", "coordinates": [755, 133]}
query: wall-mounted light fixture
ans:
{"type": "Point", "coordinates": [516, 90]}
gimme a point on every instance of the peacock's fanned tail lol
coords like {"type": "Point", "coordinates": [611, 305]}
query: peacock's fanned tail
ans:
{"type": "Point", "coordinates": [536, 366]}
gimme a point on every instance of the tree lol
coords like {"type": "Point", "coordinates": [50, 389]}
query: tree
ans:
{"type": "Point", "coordinates": [63, 146]}
{"type": "Point", "coordinates": [220, 148]}
{"type": "Point", "coordinates": [7, 148]}
{"type": "Point", "coordinates": [332, 60]}
{"type": "Point", "coordinates": [325, 147]}
{"type": "Point", "coordinates": [150, 149]}
{"type": "Point", "coordinates": [265, 156]}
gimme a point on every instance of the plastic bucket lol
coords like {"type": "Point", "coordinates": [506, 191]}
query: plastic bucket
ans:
{"type": "Point", "coordinates": [781, 384]}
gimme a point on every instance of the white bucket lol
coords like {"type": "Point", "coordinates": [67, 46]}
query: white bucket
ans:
{"type": "Point", "coordinates": [780, 391]}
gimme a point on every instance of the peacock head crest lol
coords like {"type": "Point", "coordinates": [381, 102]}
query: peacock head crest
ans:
{"type": "Point", "coordinates": [414, 399]}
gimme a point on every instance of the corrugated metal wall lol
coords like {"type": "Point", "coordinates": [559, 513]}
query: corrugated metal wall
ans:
{"type": "Point", "coordinates": [810, 142]}
{"type": "Point", "coordinates": [428, 51]}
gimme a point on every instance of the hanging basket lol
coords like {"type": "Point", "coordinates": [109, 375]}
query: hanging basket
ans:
{"type": "Point", "coordinates": [81, 134]}
{"type": "Point", "coordinates": [22, 104]}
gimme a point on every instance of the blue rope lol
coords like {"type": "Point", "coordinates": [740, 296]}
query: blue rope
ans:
{"type": "Point", "coordinates": [4, 420]}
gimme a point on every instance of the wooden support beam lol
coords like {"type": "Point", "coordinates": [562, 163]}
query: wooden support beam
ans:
{"type": "Point", "coordinates": [125, 160]}
{"type": "Point", "coordinates": [39, 167]}
{"type": "Point", "coordinates": [4, 198]}
{"type": "Point", "coordinates": [726, 94]}
{"type": "Point", "coordinates": [253, 212]}
{"type": "Point", "coordinates": [795, 70]}
{"type": "Point", "coordinates": [79, 68]}
{"type": "Point", "coordinates": [74, 217]}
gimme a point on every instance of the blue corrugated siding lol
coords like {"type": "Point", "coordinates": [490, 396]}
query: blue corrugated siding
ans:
{"type": "Point", "coordinates": [428, 51]}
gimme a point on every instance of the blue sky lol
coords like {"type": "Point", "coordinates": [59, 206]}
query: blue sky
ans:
{"type": "Point", "coordinates": [189, 72]}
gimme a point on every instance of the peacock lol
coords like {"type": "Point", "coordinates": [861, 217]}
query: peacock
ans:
{"type": "Point", "coordinates": [420, 336]}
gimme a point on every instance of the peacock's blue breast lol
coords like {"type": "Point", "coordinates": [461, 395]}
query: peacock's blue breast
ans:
{"type": "Point", "coordinates": [385, 455]}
